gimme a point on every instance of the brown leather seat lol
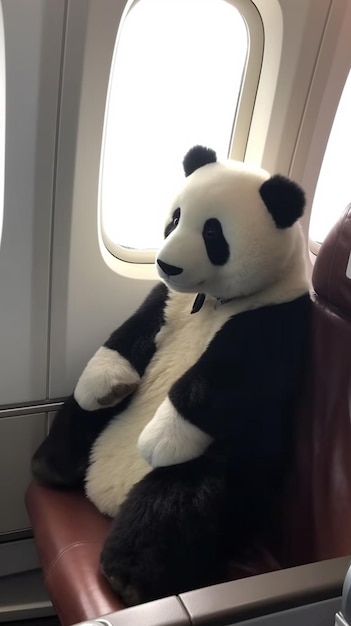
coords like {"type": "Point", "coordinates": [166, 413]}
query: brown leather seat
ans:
{"type": "Point", "coordinates": [320, 500]}
{"type": "Point", "coordinates": [69, 531]}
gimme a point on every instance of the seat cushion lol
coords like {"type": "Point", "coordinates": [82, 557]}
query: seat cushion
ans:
{"type": "Point", "coordinates": [69, 534]}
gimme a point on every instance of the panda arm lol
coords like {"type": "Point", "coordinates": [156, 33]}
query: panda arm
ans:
{"type": "Point", "coordinates": [114, 371]}
{"type": "Point", "coordinates": [238, 391]}
{"type": "Point", "coordinates": [62, 458]}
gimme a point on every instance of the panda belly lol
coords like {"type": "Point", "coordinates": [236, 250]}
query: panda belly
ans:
{"type": "Point", "coordinates": [115, 462]}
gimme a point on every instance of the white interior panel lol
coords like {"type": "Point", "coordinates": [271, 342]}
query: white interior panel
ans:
{"type": "Point", "coordinates": [23, 433]}
{"type": "Point", "coordinates": [293, 34]}
{"type": "Point", "coordinates": [33, 32]}
{"type": "Point", "coordinates": [88, 299]}
{"type": "Point", "coordinates": [332, 68]}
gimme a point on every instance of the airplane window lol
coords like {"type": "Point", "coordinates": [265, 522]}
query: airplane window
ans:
{"type": "Point", "coordinates": [333, 191]}
{"type": "Point", "coordinates": [2, 117]}
{"type": "Point", "coordinates": [175, 82]}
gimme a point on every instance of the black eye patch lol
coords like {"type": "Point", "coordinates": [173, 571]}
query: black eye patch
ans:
{"type": "Point", "coordinates": [215, 242]}
{"type": "Point", "coordinates": [173, 223]}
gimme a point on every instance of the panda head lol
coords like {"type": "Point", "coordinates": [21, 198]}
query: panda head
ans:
{"type": "Point", "coordinates": [232, 230]}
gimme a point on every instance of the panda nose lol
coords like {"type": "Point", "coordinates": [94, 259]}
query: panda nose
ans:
{"type": "Point", "coordinates": [170, 270]}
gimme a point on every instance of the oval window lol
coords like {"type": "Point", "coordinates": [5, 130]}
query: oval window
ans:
{"type": "Point", "coordinates": [175, 82]}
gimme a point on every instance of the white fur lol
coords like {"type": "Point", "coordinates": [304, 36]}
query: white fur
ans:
{"type": "Point", "coordinates": [169, 439]}
{"type": "Point", "coordinates": [106, 369]}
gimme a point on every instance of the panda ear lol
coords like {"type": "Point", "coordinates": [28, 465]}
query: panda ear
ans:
{"type": "Point", "coordinates": [284, 199]}
{"type": "Point", "coordinates": [197, 157]}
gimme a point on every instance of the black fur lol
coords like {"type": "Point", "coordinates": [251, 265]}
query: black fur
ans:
{"type": "Point", "coordinates": [173, 223]}
{"type": "Point", "coordinates": [259, 378]}
{"type": "Point", "coordinates": [181, 526]}
{"type": "Point", "coordinates": [198, 156]}
{"type": "Point", "coordinates": [216, 244]}
{"type": "Point", "coordinates": [284, 199]}
{"type": "Point", "coordinates": [62, 459]}
{"type": "Point", "coordinates": [135, 338]}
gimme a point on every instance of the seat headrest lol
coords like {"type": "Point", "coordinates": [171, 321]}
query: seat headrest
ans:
{"type": "Point", "coordinates": [332, 270]}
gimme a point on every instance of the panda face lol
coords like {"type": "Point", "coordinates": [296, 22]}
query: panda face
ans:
{"type": "Point", "coordinates": [220, 237]}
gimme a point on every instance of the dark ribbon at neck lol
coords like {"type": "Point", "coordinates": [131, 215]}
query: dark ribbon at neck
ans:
{"type": "Point", "coordinates": [198, 302]}
{"type": "Point", "coordinates": [200, 299]}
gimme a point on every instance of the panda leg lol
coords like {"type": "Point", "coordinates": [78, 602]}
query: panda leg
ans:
{"type": "Point", "coordinates": [62, 458]}
{"type": "Point", "coordinates": [169, 535]}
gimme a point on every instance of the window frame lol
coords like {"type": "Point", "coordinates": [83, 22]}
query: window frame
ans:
{"type": "Point", "coordinates": [242, 117]}
{"type": "Point", "coordinates": [331, 68]}
{"type": "Point", "coordinates": [2, 120]}
{"type": "Point", "coordinates": [315, 245]}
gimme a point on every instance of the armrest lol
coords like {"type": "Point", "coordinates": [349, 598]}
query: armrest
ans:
{"type": "Point", "coordinates": [239, 600]}
{"type": "Point", "coordinates": [164, 612]}
{"type": "Point", "coordinates": [267, 593]}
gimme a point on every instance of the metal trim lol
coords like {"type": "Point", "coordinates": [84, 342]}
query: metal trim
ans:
{"type": "Point", "coordinates": [27, 409]}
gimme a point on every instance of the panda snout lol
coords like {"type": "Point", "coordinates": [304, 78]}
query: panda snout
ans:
{"type": "Point", "coordinates": [170, 270]}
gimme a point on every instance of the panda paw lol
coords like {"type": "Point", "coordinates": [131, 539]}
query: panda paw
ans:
{"type": "Point", "coordinates": [107, 379]}
{"type": "Point", "coordinates": [169, 439]}
{"type": "Point", "coordinates": [130, 558]}
{"type": "Point", "coordinates": [121, 583]}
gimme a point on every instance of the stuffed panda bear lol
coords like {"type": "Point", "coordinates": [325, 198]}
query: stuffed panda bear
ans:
{"type": "Point", "coordinates": [181, 425]}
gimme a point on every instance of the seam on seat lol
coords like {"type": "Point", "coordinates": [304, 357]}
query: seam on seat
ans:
{"type": "Point", "coordinates": [63, 551]}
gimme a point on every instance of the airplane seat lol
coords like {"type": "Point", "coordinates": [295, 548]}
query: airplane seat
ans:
{"type": "Point", "coordinates": [69, 531]}
{"type": "Point", "coordinates": [319, 505]}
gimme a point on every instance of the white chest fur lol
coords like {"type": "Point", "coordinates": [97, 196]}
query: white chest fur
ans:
{"type": "Point", "coordinates": [116, 463]}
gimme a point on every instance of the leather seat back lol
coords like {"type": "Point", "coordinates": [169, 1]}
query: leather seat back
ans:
{"type": "Point", "coordinates": [320, 522]}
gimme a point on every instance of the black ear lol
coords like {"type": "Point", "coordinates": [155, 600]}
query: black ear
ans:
{"type": "Point", "coordinates": [197, 157]}
{"type": "Point", "coordinates": [284, 199]}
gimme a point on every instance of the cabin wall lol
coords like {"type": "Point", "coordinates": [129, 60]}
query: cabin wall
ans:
{"type": "Point", "coordinates": [33, 44]}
